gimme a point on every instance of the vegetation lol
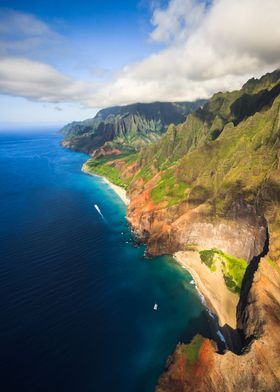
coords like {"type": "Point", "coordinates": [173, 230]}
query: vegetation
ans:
{"type": "Point", "coordinates": [223, 161]}
{"type": "Point", "coordinates": [105, 166]}
{"type": "Point", "coordinates": [225, 152]}
{"type": "Point", "coordinates": [145, 173]}
{"type": "Point", "coordinates": [233, 268]}
{"type": "Point", "coordinates": [192, 349]}
{"type": "Point", "coordinates": [207, 257]}
{"type": "Point", "coordinates": [169, 189]}
{"type": "Point", "coordinates": [131, 126]}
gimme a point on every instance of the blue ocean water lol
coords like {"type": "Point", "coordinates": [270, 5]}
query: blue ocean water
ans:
{"type": "Point", "coordinates": [76, 296]}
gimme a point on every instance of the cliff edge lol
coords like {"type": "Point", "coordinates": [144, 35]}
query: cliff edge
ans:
{"type": "Point", "coordinates": [212, 185]}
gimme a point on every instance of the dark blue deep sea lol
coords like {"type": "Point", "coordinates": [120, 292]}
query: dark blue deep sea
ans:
{"type": "Point", "coordinates": [76, 295]}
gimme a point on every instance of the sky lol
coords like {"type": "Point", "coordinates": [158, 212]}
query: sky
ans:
{"type": "Point", "coordinates": [63, 60]}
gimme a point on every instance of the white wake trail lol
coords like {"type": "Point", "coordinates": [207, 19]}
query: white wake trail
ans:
{"type": "Point", "coordinates": [99, 212]}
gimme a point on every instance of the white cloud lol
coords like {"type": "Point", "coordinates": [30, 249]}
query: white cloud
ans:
{"type": "Point", "coordinates": [23, 33]}
{"type": "Point", "coordinates": [177, 20]}
{"type": "Point", "coordinates": [14, 22]}
{"type": "Point", "coordinates": [209, 48]}
{"type": "Point", "coordinates": [41, 82]}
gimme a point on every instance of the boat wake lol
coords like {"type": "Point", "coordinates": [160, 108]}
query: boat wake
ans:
{"type": "Point", "coordinates": [99, 212]}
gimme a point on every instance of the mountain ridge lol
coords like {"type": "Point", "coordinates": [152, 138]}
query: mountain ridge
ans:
{"type": "Point", "coordinates": [212, 183]}
{"type": "Point", "coordinates": [126, 127]}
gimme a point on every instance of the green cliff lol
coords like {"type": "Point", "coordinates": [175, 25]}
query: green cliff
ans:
{"type": "Point", "coordinates": [126, 127]}
{"type": "Point", "coordinates": [225, 153]}
{"type": "Point", "coordinates": [212, 184]}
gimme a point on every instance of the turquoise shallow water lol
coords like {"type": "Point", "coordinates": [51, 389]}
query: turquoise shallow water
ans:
{"type": "Point", "coordinates": [76, 295]}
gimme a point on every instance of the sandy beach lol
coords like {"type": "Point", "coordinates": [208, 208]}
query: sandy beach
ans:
{"type": "Point", "coordinates": [211, 285]}
{"type": "Point", "coordinates": [219, 299]}
{"type": "Point", "coordinates": [117, 189]}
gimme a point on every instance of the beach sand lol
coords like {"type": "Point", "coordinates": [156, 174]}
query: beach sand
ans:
{"type": "Point", "coordinates": [117, 189]}
{"type": "Point", "coordinates": [211, 285]}
{"type": "Point", "coordinates": [219, 299]}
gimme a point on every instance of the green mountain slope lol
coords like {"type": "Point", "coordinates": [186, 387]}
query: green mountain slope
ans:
{"type": "Point", "coordinates": [208, 123]}
{"type": "Point", "coordinates": [224, 158]}
{"type": "Point", "coordinates": [210, 188]}
{"type": "Point", "coordinates": [127, 127]}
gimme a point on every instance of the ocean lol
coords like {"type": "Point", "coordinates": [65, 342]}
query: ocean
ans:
{"type": "Point", "coordinates": [76, 294]}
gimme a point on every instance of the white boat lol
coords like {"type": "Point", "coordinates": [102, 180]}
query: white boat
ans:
{"type": "Point", "coordinates": [155, 306]}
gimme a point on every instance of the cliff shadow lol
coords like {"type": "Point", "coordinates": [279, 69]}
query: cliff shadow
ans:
{"type": "Point", "coordinates": [244, 293]}
{"type": "Point", "coordinates": [234, 339]}
{"type": "Point", "coordinates": [248, 104]}
{"type": "Point", "coordinates": [206, 325]}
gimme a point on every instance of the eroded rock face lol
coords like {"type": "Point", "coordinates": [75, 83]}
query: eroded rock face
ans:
{"type": "Point", "coordinates": [258, 369]}
{"type": "Point", "coordinates": [237, 238]}
{"type": "Point", "coordinates": [171, 229]}
{"type": "Point", "coordinates": [242, 234]}
{"type": "Point", "coordinates": [105, 151]}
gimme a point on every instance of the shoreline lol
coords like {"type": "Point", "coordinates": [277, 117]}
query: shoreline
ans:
{"type": "Point", "coordinates": [220, 301]}
{"type": "Point", "coordinates": [207, 283]}
{"type": "Point", "coordinates": [116, 188]}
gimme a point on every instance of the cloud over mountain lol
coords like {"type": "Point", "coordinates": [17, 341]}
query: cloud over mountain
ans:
{"type": "Point", "coordinates": [207, 47]}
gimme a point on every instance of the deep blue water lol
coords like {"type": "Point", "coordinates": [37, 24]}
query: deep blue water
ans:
{"type": "Point", "coordinates": [76, 297]}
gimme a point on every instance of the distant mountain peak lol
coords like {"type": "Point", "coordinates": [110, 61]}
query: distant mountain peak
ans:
{"type": "Point", "coordinates": [129, 127]}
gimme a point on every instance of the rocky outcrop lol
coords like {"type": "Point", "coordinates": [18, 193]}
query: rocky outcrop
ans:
{"type": "Point", "coordinates": [214, 182]}
{"type": "Point", "coordinates": [167, 230]}
{"type": "Point", "coordinates": [105, 151]}
{"type": "Point", "coordinates": [245, 235]}
{"type": "Point", "coordinates": [257, 369]}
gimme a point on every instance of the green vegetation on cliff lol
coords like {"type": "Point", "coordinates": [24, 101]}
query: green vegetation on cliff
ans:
{"type": "Point", "coordinates": [104, 166]}
{"type": "Point", "coordinates": [221, 163]}
{"type": "Point", "coordinates": [126, 127]}
{"type": "Point", "coordinates": [169, 189]}
{"type": "Point", "coordinates": [192, 349]}
{"type": "Point", "coordinates": [224, 155]}
{"type": "Point", "coordinates": [233, 268]}
{"type": "Point", "coordinates": [207, 257]}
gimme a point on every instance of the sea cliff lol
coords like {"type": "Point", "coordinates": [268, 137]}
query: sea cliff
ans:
{"type": "Point", "coordinates": [210, 187]}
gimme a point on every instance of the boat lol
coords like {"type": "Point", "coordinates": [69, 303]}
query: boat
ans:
{"type": "Point", "coordinates": [155, 306]}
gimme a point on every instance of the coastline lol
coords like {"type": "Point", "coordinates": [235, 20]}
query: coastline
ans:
{"type": "Point", "coordinates": [208, 284]}
{"type": "Point", "coordinates": [211, 286]}
{"type": "Point", "coordinates": [116, 188]}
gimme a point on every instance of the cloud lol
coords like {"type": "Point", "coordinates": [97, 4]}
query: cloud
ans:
{"type": "Point", "coordinates": [23, 33]}
{"type": "Point", "coordinates": [14, 22]}
{"type": "Point", "coordinates": [177, 20]}
{"type": "Point", "coordinates": [208, 47]}
{"type": "Point", "coordinates": [40, 82]}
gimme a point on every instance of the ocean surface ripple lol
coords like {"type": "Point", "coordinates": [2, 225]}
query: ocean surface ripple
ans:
{"type": "Point", "coordinates": [77, 297]}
